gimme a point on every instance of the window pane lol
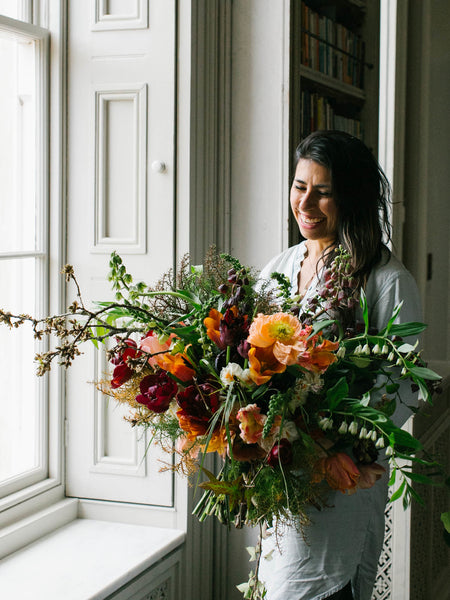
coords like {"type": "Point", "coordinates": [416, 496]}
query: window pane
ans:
{"type": "Point", "coordinates": [11, 8]}
{"type": "Point", "coordinates": [20, 398]}
{"type": "Point", "coordinates": [18, 144]}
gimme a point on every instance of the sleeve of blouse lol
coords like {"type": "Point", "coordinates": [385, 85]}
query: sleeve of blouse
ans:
{"type": "Point", "coordinates": [389, 289]}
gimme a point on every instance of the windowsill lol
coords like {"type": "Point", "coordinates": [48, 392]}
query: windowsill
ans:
{"type": "Point", "coordinates": [85, 559]}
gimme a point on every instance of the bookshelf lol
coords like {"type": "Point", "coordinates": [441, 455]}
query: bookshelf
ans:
{"type": "Point", "coordinates": [334, 71]}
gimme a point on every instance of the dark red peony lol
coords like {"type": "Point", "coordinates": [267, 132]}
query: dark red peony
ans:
{"type": "Point", "coordinates": [157, 390]}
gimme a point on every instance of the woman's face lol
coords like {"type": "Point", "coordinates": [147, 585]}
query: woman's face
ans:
{"type": "Point", "coordinates": [312, 202]}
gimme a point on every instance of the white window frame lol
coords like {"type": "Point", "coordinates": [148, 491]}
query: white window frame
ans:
{"type": "Point", "coordinates": [39, 252]}
{"type": "Point", "coordinates": [39, 506]}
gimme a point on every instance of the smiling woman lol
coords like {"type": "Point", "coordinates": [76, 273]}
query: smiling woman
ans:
{"type": "Point", "coordinates": [339, 198]}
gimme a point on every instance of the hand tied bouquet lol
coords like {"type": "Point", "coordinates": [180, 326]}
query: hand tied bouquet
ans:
{"type": "Point", "coordinates": [214, 361]}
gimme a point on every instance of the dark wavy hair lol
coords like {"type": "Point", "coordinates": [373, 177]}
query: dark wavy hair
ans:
{"type": "Point", "coordinates": [361, 192]}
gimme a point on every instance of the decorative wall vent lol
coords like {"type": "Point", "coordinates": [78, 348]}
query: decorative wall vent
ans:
{"type": "Point", "coordinates": [162, 592]}
{"type": "Point", "coordinates": [383, 584]}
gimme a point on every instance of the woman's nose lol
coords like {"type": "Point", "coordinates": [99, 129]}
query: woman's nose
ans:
{"type": "Point", "coordinates": [306, 200]}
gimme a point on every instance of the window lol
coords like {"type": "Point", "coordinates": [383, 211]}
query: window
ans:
{"type": "Point", "coordinates": [23, 243]}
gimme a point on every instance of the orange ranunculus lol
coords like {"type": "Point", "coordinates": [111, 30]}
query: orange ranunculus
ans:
{"type": "Point", "coordinates": [218, 442]}
{"type": "Point", "coordinates": [339, 471]}
{"type": "Point", "coordinates": [319, 357]}
{"type": "Point", "coordinates": [154, 347]}
{"type": "Point", "coordinates": [176, 364]}
{"type": "Point", "coordinates": [263, 364]}
{"type": "Point", "coordinates": [212, 324]}
{"type": "Point", "coordinates": [251, 423]}
{"type": "Point", "coordinates": [282, 333]}
{"type": "Point", "coordinates": [193, 426]}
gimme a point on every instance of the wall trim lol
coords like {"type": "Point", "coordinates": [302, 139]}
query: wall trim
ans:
{"type": "Point", "coordinates": [210, 126]}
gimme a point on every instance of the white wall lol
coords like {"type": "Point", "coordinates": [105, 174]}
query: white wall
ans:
{"type": "Point", "coordinates": [259, 104]}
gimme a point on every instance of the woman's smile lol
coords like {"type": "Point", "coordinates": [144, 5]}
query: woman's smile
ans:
{"type": "Point", "coordinates": [310, 220]}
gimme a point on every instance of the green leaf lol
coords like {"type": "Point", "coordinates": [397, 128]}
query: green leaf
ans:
{"type": "Point", "coordinates": [416, 496]}
{"type": "Point", "coordinates": [369, 413]}
{"type": "Point", "coordinates": [397, 494]}
{"type": "Point", "coordinates": [423, 372]}
{"type": "Point", "coordinates": [319, 325]}
{"type": "Point", "coordinates": [403, 438]}
{"type": "Point", "coordinates": [415, 459]}
{"type": "Point", "coordinates": [389, 325]}
{"type": "Point", "coordinates": [445, 518]}
{"type": "Point", "coordinates": [418, 477]}
{"type": "Point", "coordinates": [406, 329]}
{"type": "Point", "coordinates": [388, 408]}
{"type": "Point", "coordinates": [392, 478]}
{"type": "Point", "coordinates": [392, 387]}
{"type": "Point", "coordinates": [365, 310]}
{"type": "Point", "coordinates": [360, 361]}
{"type": "Point", "coordinates": [337, 393]}
{"type": "Point", "coordinates": [197, 269]}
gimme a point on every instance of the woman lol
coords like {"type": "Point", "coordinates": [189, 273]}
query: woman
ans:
{"type": "Point", "coordinates": [339, 196]}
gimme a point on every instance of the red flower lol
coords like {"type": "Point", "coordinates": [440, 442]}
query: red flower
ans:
{"type": "Point", "coordinates": [122, 372]}
{"type": "Point", "coordinates": [281, 453]}
{"type": "Point", "coordinates": [157, 390]}
{"type": "Point", "coordinates": [197, 405]}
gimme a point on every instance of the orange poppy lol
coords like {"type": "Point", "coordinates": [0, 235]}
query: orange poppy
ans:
{"type": "Point", "coordinates": [282, 333]}
{"type": "Point", "coordinates": [263, 364]}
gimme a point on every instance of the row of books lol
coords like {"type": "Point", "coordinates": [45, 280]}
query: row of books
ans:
{"type": "Point", "coordinates": [331, 48]}
{"type": "Point", "coordinates": [318, 113]}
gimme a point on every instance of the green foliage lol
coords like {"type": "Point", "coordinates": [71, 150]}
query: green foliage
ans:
{"type": "Point", "coordinates": [277, 403]}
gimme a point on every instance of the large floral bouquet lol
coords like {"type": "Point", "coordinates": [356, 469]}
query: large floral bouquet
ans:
{"type": "Point", "coordinates": [295, 401]}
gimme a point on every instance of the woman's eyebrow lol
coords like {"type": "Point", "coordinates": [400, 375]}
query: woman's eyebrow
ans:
{"type": "Point", "coordinates": [319, 185]}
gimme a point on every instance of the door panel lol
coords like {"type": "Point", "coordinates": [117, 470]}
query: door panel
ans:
{"type": "Point", "coordinates": [121, 76]}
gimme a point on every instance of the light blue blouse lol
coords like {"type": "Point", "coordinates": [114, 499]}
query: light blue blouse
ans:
{"type": "Point", "coordinates": [344, 540]}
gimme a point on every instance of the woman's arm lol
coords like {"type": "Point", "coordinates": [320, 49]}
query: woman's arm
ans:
{"type": "Point", "coordinates": [389, 285]}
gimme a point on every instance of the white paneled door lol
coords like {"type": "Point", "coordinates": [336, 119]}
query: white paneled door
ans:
{"type": "Point", "coordinates": [121, 81]}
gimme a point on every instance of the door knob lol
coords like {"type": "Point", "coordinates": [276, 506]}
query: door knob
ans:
{"type": "Point", "coordinates": [158, 166]}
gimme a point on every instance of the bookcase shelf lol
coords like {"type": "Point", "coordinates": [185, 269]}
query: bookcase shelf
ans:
{"type": "Point", "coordinates": [332, 84]}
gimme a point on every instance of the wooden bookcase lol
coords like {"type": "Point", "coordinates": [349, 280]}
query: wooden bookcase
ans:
{"type": "Point", "coordinates": [334, 72]}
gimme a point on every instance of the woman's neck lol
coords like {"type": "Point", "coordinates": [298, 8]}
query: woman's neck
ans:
{"type": "Point", "coordinates": [315, 248]}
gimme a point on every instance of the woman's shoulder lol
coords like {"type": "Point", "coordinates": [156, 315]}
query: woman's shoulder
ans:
{"type": "Point", "coordinates": [390, 283]}
{"type": "Point", "coordinates": [389, 269]}
{"type": "Point", "coordinates": [283, 262]}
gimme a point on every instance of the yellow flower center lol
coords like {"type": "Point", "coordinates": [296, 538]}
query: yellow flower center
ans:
{"type": "Point", "coordinates": [282, 332]}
